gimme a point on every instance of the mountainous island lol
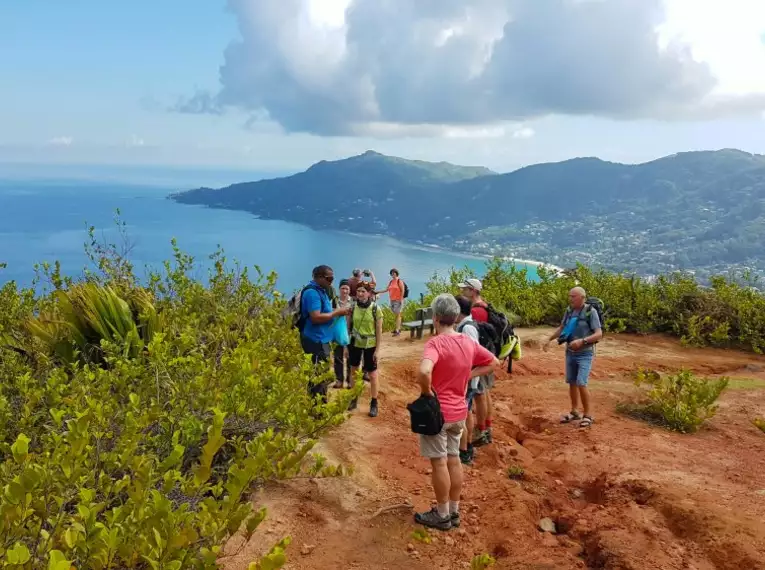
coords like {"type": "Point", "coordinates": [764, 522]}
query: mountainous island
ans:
{"type": "Point", "coordinates": [694, 211]}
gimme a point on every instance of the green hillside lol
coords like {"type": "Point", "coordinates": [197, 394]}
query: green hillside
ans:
{"type": "Point", "coordinates": [700, 211]}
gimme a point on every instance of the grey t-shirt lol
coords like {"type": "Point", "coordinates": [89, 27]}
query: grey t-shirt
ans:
{"type": "Point", "coordinates": [584, 327]}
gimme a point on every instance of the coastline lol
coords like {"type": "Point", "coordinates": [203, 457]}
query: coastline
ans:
{"type": "Point", "coordinates": [411, 244]}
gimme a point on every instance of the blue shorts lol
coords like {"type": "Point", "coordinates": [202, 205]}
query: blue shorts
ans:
{"type": "Point", "coordinates": [472, 393]}
{"type": "Point", "coordinates": [578, 366]}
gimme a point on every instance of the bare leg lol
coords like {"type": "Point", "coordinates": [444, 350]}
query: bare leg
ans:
{"type": "Point", "coordinates": [455, 478]}
{"type": "Point", "coordinates": [398, 322]}
{"type": "Point", "coordinates": [573, 392]}
{"type": "Point", "coordinates": [467, 433]}
{"type": "Point", "coordinates": [481, 410]}
{"type": "Point", "coordinates": [489, 408]}
{"type": "Point", "coordinates": [441, 480]}
{"type": "Point", "coordinates": [373, 385]}
{"type": "Point", "coordinates": [584, 393]}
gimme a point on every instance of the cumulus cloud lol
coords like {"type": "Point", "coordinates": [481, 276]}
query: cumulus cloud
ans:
{"type": "Point", "coordinates": [404, 68]}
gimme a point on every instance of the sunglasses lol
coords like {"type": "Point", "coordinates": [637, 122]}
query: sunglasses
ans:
{"type": "Point", "coordinates": [329, 278]}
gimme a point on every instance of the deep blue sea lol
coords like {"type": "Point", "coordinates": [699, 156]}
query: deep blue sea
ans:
{"type": "Point", "coordinates": [46, 221]}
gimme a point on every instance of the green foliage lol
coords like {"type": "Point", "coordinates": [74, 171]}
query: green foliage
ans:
{"type": "Point", "coordinates": [134, 422]}
{"type": "Point", "coordinates": [516, 472]}
{"type": "Point", "coordinates": [421, 535]}
{"type": "Point", "coordinates": [701, 211]}
{"type": "Point", "coordinates": [759, 423]}
{"type": "Point", "coordinates": [86, 315]}
{"type": "Point", "coordinates": [481, 562]}
{"type": "Point", "coordinates": [680, 401]}
{"type": "Point", "coordinates": [730, 313]}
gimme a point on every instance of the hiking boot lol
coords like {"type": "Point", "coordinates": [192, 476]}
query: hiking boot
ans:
{"type": "Point", "coordinates": [484, 438]}
{"type": "Point", "coordinates": [456, 522]}
{"type": "Point", "coordinates": [373, 409]}
{"type": "Point", "coordinates": [353, 405]}
{"type": "Point", "coordinates": [466, 456]}
{"type": "Point", "coordinates": [432, 519]}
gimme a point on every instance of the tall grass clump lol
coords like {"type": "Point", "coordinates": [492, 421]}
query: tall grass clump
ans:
{"type": "Point", "coordinates": [136, 420]}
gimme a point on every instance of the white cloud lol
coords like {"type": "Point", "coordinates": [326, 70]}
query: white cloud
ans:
{"type": "Point", "coordinates": [523, 133]}
{"type": "Point", "coordinates": [61, 141]}
{"type": "Point", "coordinates": [455, 68]}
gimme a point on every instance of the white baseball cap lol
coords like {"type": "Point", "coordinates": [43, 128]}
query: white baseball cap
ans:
{"type": "Point", "coordinates": [474, 284]}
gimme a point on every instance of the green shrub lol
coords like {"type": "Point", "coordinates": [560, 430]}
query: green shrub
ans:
{"type": "Point", "coordinates": [134, 422]}
{"type": "Point", "coordinates": [729, 313]}
{"type": "Point", "coordinates": [681, 401]}
{"type": "Point", "coordinates": [481, 562]}
{"type": "Point", "coordinates": [516, 472]}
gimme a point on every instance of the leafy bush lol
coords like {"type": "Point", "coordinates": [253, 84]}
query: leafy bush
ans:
{"type": "Point", "coordinates": [759, 423]}
{"type": "Point", "coordinates": [421, 535]}
{"type": "Point", "coordinates": [516, 472]}
{"type": "Point", "coordinates": [730, 313]}
{"type": "Point", "coordinates": [134, 422]}
{"type": "Point", "coordinates": [680, 401]}
{"type": "Point", "coordinates": [482, 562]}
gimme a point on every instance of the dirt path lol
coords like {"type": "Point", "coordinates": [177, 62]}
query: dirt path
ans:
{"type": "Point", "coordinates": [624, 495]}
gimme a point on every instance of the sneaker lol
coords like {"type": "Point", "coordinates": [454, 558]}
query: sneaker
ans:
{"type": "Point", "coordinates": [455, 517]}
{"type": "Point", "coordinates": [373, 409]}
{"type": "Point", "coordinates": [466, 456]}
{"type": "Point", "coordinates": [484, 438]}
{"type": "Point", "coordinates": [353, 405]}
{"type": "Point", "coordinates": [432, 519]}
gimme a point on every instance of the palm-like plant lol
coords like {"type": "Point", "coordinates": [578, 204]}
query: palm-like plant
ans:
{"type": "Point", "coordinates": [87, 314]}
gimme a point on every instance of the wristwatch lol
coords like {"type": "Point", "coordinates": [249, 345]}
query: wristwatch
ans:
{"type": "Point", "coordinates": [585, 341]}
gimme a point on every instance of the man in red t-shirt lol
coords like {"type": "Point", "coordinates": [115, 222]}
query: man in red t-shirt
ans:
{"type": "Point", "coordinates": [449, 361]}
{"type": "Point", "coordinates": [471, 289]}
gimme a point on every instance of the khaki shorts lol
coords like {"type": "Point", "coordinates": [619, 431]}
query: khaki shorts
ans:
{"type": "Point", "coordinates": [487, 383]}
{"type": "Point", "coordinates": [396, 307]}
{"type": "Point", "coordinates": [445, 443]}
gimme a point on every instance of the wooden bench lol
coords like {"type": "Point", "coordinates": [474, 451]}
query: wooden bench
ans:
{"type": "Point", "coordinates": [423, 318]}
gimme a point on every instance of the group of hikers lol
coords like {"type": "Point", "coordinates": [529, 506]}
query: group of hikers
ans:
{"type": "Point", "coordinates": [453, 414]}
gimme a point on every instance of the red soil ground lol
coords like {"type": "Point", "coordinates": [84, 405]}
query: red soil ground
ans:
{"type": "Point", "coordinates": [624, 495]}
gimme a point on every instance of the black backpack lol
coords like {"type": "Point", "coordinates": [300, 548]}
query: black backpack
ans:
{"type": "Point", "coordinates": [406, 289]}
{"type": "Point", "coordinates": [496, 332]}
{"type": "Point", "coordinates": [425, 414]}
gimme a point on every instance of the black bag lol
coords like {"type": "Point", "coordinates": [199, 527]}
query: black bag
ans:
{"type": "Point", "coordinates": [405, 289]}
{"type": "Point", "coordinates": [494, 334]}
{"type": "Point", "coordinates": [426, 416]}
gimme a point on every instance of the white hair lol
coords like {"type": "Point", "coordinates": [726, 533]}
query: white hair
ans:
{"type": "Point", "coordinates": [446, 308]}
{"type": "Point", "coordinates": [579, 291]}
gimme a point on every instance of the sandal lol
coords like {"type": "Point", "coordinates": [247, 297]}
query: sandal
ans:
{"type": "Point", "coordinates": [571, 416]}
{"type": "Point", "coordinates": [586, 422]}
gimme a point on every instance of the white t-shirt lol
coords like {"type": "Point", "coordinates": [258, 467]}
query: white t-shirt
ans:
{"type": "Point", "coordinates": [468, 328]}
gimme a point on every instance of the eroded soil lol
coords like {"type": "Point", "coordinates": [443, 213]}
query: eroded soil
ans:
{"type": "Point", "coordinates": [624, 495]}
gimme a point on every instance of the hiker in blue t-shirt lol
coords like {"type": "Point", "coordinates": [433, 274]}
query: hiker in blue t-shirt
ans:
{"type": "Point", "coordinates": [319, 316]}
{"type": "Point", "coordinates": [580, 329]}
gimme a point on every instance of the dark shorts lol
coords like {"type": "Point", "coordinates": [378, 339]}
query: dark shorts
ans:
{"type": "Point", "coordinates": [356, 355]}
{"type": "Point", "coordinates": [320, 352]}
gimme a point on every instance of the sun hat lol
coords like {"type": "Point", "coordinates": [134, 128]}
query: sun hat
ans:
{"type": "Point", "coordinates": [474, 284]}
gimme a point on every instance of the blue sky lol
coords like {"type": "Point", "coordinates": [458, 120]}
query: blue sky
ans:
{"type": "Point", "coordinates": [267, 85]}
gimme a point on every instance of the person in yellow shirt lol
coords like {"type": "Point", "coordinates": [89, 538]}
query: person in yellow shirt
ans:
{"type": "Point", "coordinates": [366, 337]}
